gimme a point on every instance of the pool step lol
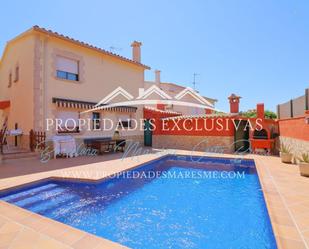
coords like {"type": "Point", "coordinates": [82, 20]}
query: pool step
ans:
{"type": "Point", "coordinates": [47, 199]}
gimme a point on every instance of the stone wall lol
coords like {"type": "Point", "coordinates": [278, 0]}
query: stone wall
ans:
{"type": "Point", "coordinates": [297, 146]}
{"type": "Point", "coordinates": [222, 144]}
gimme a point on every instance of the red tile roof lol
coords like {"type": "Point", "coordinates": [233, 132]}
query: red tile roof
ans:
{"type": "Point", "coordinates": [87, 45]}
{"type": "Point", "coordinates": [161, 111]}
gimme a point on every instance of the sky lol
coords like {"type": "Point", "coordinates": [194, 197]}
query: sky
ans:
{"type": "Point", "coordinates": [258, 49]}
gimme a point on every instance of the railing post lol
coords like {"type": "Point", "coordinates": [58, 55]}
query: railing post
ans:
{"type": "Point", "coordinates": [37, 139]}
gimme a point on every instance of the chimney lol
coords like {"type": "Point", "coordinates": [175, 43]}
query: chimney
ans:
{"type": "Point", "coordinates": [260, 110]}
{"type": "Point", "coordinates": [136, 51]}
{"type": "Point", "coordinates": [157, 76]}
{"type": "Point", "coordinates": [234, 103]}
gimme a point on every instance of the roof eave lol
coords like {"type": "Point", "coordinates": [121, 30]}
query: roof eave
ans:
{"type": "Point", "coordinates": [85, 45]}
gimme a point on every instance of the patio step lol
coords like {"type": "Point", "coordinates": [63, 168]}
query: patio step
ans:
{"type": "Point", "coordinates": [19, 155]}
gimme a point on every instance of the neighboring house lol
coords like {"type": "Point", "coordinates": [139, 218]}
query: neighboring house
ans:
{"type": "Point", "coordinates": [44, 75]}
{"type": "Point", "coordinates": [172, 90]}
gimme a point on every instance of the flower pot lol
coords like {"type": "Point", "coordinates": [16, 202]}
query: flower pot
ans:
{"type": "Point", "coordinates": [286, 157]}
{"type": "Point", "coordinates": [304, 169]}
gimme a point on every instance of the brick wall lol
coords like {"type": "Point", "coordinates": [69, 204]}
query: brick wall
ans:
{"type": "Point", "coordinates": [294, 128]}
{"type": "Point", "coordinates": [294, 132]}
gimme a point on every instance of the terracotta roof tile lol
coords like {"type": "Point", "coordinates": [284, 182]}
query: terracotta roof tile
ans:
{"type": "Point", "coordinates": [161, 111]}
{"type": "Point", "coordinates": [214, 115]}
{"type": "Point", "coordinates": [87, 45]}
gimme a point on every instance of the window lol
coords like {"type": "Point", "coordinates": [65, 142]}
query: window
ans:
{"type": "Point", "coordinates": [67, 69]}
{"type": "Point", "coordinates": [68, 122]}
{"type": "Point", "coordinates": [67, 76]}
{"type": "Point", "coordinates": [10, 80]}
{"type": "Point", "coordinates": [96, 122]}
{"type": "Point", "coordinates": [124, 122]}
{"type": "Point", "coordinates": [16, 73]}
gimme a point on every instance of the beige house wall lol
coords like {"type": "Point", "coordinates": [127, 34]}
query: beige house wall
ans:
{"type": "Point", "coordinates": [99, 75]}
{"type": "Point", "coordinates": [19, 52]}
{"type": "Point", "coordinates": [31, 97]}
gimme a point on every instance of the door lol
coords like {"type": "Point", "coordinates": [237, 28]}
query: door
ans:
{"type": "Point", "coordinates": [241, 137]}
{"type": "Point", "coordinates": [148, 133]}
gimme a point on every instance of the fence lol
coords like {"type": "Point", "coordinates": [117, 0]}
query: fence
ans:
{"type": "Point", "coordinates": [295, 107]}
{"type": "Point", "coordinates": [37, 140]}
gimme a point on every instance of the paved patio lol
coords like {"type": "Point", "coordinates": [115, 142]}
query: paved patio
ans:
{"type": "Point", "coordinates": [286, 194]}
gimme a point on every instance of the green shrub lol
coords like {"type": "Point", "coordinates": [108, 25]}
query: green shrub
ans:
{"type": "Point", "coordinates": [285, 148]}
{"type": "Point", "coordinates": [304, 158]}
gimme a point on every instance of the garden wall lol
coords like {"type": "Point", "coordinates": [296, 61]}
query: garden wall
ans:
{"type": "Point", "coordinates": [218, 144]}
{"type": "Point", "coordinates": [294, 132]}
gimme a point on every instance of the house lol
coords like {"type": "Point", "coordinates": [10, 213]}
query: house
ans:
{"type": "Point", "coordinates": [45, 76]}
{"type": "Point", "coordinates": [173, 89]}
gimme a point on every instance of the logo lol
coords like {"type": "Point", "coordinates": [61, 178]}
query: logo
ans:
{"type": "Point", "coordinates": [161, 97]}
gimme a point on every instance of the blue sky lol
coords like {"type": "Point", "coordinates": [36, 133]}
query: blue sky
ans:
{"type": "Point", "coordinates": [258, 49]}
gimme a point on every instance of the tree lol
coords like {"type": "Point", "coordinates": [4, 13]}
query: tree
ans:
{"type": "Point", "coordinates": [271, 115]}
{"type": "Point", "coordinates": [252, 114]}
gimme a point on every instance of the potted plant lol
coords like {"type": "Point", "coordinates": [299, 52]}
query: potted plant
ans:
{"type": "Point", "coordinates": [304, 164]}
{"type": "Point", "coordinates": [285, 154]}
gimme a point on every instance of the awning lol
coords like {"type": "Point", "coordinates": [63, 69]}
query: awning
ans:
{"type": "Point", "coordinates": [4, 104]}
{"type": "Point", "coordinates": [78, 104]}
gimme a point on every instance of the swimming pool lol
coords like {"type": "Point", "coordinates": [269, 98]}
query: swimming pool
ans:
{"type": "Point", "coordinates": [172, 202]}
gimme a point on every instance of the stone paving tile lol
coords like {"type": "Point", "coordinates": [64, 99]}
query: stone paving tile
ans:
{"type": "Point", "coordinates": [8, 233]}
{"type": "Point", "coordinates": [288, 232]}
{"type": "Point", "coordinates": [71, 236]}
{"type": "Point", "coordinates": [26, 238]}
{"type": "Point", "coordinates": [48, 243]}
{"type": "Point", "coordinates": [88, 241]}
{"type": "Point", "coordinates": [284, 243]}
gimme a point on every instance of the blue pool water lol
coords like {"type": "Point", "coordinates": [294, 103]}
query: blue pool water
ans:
{"type": "Point", "coordinates": [187, 205]}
